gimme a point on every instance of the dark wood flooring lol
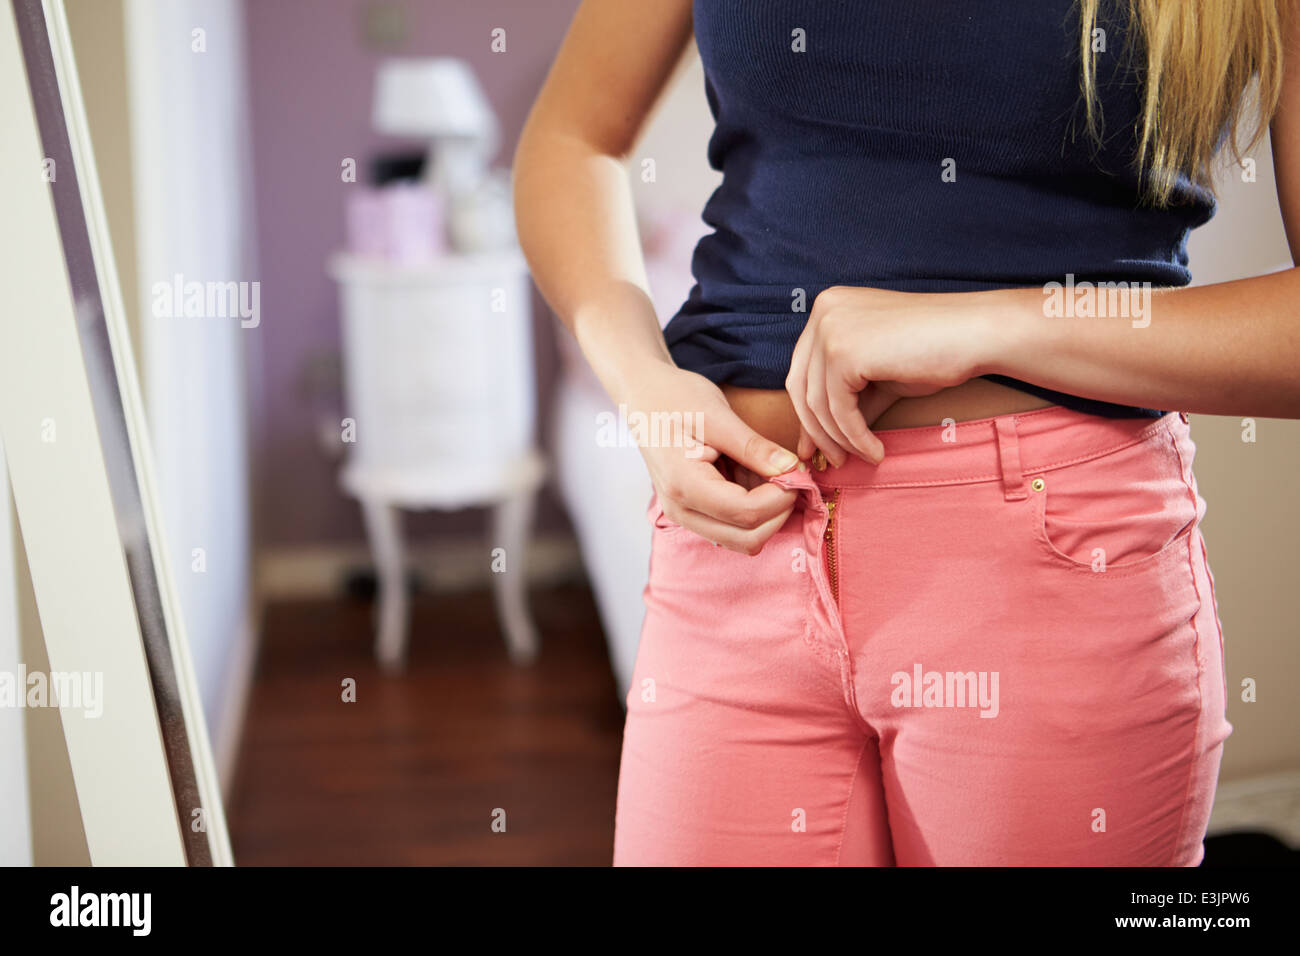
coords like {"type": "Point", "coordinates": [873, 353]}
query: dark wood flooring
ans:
{"type": "Point", "coordinates": [413, 772]}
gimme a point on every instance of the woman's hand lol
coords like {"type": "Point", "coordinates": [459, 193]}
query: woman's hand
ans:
{"type": "Point", "coordinates": [683, 425]}
{"type": "Point", "coordinates": [863, 349]}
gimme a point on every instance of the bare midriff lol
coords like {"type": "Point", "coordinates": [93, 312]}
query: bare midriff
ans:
{"type": "Point", "coordinates": [771, 413]}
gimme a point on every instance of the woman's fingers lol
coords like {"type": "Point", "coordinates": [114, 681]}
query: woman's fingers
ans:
{"type": "Point", "coordinates": [728, 433]}
{"type": "Point", "coordinates": [873, 401]}
{"type": "Point", "coordinates": [812, 435]}
{"type": "Point", "coordinates": [819, 403]}
{"type": "Point", "coordinates": [807, 447]}
{"type": "Point", "coordinates": [845, 398]}
{"type": "Point", "coordinates": [802, 388]}
{"type": "Point", "coordinates": [693, 487]}
{"type": "Point", "coordinates": [744, 540]}
{"type": "Point", "coordinates": [740, 515]}
{"type": "Point", "coordinates": [746, 478]}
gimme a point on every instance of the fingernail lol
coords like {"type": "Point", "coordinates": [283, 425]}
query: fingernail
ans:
{"type": "Point", "coordinates": [783, 460]}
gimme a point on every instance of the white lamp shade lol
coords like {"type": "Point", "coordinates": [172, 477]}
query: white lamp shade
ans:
{"type": "Point", "coordinates": [432, 98]}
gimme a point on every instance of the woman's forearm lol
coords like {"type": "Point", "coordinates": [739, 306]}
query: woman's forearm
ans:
{"type": "Point", "coordinates": [1231, 348]}
{"type": "Point", "coordinates": [577, 228]}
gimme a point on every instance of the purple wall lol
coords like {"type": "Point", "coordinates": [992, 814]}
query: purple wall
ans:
{"type": "Point", "coordinates": [311, 76]}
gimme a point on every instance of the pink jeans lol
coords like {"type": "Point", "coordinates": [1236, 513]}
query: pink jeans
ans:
{"type": "Point", "coordinates": [999, 647]}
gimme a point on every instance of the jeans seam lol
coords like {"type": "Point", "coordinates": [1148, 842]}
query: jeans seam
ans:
{"type": "Point", "coordinates": [1196, 656]}
{"type": "Point", "coordinates": [848, 800]}
{"type": "Point", "coordinates": [1218, 624]}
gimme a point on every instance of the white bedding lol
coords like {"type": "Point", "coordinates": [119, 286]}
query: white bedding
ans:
{"type": "Point", "coordinates": [606, 490]}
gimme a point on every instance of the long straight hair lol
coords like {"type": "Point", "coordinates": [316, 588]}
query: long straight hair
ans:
{"type": "Point", "coordinates": [1208, 66]}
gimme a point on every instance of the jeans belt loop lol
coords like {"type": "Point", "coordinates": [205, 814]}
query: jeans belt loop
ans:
{"type": "Point", "coordinates": [1013, 478]}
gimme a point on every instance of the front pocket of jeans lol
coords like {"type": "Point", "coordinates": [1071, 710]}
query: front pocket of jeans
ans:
{"type": "Point", "coordinates": [1119, 512]}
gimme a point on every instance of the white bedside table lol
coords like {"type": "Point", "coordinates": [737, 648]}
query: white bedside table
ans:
{"type": "Point", "coordinates": [439, 381]}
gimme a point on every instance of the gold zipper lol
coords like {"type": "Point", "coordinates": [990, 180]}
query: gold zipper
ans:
{"type": "Point", "coordinates": [830, 545]}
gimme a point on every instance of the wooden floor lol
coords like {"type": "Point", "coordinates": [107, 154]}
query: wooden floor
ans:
{"type": "Point", "coordinates": [413, 772]}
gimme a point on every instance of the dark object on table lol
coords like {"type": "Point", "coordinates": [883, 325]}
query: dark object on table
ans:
{"type": "Point", "coordinates": [396, 167]}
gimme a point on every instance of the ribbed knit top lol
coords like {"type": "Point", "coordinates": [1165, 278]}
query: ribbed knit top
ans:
{"type": "Point", "coordinates": [916, 145]}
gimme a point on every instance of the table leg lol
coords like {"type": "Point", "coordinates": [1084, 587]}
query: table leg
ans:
{"type": "Point", "coordinates": [511, 524]}
{"type": "Point", "coordinates": [384, 528]}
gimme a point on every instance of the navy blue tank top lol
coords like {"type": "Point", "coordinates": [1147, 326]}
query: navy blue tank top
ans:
{"type": "Point", "coordinates": [836, 121]}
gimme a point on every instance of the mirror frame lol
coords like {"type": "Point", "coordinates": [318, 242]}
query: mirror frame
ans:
{"type": "Point", "coordinates": [82, 475]}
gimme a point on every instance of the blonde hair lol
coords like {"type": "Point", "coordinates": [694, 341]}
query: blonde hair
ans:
{"type": "Point", "coordinates": [1202, 58]}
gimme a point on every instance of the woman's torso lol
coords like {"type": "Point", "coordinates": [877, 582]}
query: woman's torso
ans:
{"type": "Point", "coordinates": [933, 145]}
{"type": "Point", "coordinates": [771, 413]}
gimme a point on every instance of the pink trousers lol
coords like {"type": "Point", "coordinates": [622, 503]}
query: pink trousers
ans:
{"type": "Point", "coordinates": [999, 647]}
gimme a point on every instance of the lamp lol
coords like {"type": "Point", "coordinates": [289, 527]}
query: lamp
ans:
{"type": "Point", "coordinates": [439, 99]}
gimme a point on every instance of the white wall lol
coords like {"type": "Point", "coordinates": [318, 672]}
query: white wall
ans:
{"type": "Point", "coordinates": [1253, 516]}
